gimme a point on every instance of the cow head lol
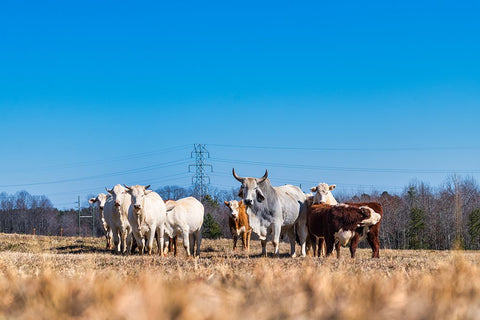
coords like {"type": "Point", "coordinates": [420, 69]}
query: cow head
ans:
{"type": "Point", "coordinates": [323, 194]}
{"type": "Point", "coordinates": [118, 194]}
{"type": "Point", "coordinates": [234, 207]}
{"type": "Point", "coordinates": [138, 193]}
{"type": "Point", "coordinates": [371, 217]}
{"type": "Point", "coordinates": [99, 200]}
{"type": "Point", "coordinates": [250, 190]}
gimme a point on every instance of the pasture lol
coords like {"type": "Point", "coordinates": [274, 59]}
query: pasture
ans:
{"type": "Point", "coordinates": [75, 278]}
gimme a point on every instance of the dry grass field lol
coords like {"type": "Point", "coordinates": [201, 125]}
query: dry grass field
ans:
{"type": "Point", "coordinates": [75, 278]}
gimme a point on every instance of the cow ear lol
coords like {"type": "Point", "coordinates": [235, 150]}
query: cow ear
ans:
{"type": "Point", "coordinates": [148, 191]}
{"type": "Point", "coordinates": [313, 189]}
{"type": "Point", "coordinates": [260, 196]}
{"type": "Point", "coordinates": [333, 186]}
{"type": "Point", "coordinates": [92, 200]}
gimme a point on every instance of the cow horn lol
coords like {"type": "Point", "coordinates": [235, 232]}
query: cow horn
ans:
{"type": "Point", "coordinates": [265, 176]}
{"type": "Point", "coordinates": [237, 177]}
{"type": "Point", "coordinates": [126, 186]}
{"type": "Point", "coordinates": [146, 187]}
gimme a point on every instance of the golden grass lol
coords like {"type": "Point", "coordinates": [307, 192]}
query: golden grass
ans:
{"type": "Point", "coordinates": [74, 278]}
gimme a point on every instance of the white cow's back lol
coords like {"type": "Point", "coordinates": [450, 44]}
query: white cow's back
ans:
{"type": "Point", "coordinates": [186, 212]}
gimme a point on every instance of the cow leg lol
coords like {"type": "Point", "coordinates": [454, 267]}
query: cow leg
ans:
{"type": "Point", "coordinates": [174, 243]}
{"type": "Point", "coordinates": [372, 238]}
{"type": "Point", "coordinates": [192, 243]}
{"type": "Point", "coordinates": [337, 248]}
{"type": "Point", "coordinates": [277, 229]}
{"type": "Point", "coordinates": [311, 245]}
{"type": "Point", "coordinates": [249, 234]}
{"type": "Point", "coordinates": [291, 237]}
{"type": "Point", "coordinates": [322, 252]}
{"type": "Point", "coordinates": [354, 244]}
{"type": "Point", "coordinates": [198, 240]}
{"type": "Point", "coordinates": [235, 238]}
{"type": "Point", "coordinates": [139, 240]}
{"type": "Point", "coordinates": [186, 242]}
{"type": "Point", "coordinates": [116, 241]}
{"type": "Point", "coordinates": [160, 233]}
{"type": "Point", "coordinates": [330, 241]}
{"type": "Point", "coordinates": [244, 240]}
{"type": "Point", "coordinates": [264, 247]}
{"type": "Point", "coordinates": [150, 237]}
{"type": "Point", "coordinates": [302, 236]}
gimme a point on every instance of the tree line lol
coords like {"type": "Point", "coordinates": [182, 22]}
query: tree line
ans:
{"type": "Point", "coordinates": [419, 217]}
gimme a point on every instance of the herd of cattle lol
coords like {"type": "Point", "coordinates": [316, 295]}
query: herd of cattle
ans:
{"type": "Point", "coordinates": [133, 217]}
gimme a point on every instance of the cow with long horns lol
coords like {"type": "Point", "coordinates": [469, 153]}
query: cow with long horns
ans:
{"type": "Point", "coordinates": [274, 210]}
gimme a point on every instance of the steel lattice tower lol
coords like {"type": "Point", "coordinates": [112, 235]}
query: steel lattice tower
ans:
{"type": "Point", "coordinates": [200, 181]}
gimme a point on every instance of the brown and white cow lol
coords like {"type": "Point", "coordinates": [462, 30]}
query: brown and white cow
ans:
{"type": "Point", "coordinates": [338, 224]}
{"type": "Point", "coordinates": [238, 223]}
{"type": "Point", "coordinates": [371, 232]}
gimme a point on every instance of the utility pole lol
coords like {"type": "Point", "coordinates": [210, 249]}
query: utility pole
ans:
{"type": "Point", "coordinates": [200, 180]}
{"type": "Point", "coordinates": [92, 215]}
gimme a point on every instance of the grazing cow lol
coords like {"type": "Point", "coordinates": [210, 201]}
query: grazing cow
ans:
{"type": "Point", "coordinates": [100, 200]}
{"type": "Point", "coordinates": [371, 232]}
{"type": "Point", "coordinates": [147, 218]}
{"type": "Point", "coordinates": [185, 218]}
{"type": "Point", "coordinates": [238, 223]}
{"type": "Point", "coordinates": [273, 210]}
{"type": "Point", "coordinates": [338, 224]}
{"type": "Point", "coordinates": [120, 204]}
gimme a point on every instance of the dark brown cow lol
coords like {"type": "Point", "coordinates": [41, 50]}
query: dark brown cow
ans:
{"type": "Point", "coordinates": [337, 224]}
{"type": "Point", "coordinates": [372, 233]}
{"type": "Point", "coordinates": [238, 223]}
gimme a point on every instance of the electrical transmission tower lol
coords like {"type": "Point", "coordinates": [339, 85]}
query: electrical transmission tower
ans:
{"type": "Point", "coordinates": [200, 180]}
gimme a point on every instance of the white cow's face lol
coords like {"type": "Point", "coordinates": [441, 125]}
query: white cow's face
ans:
{"type": "Point", "coordinates": [118, 194]}
{"type": "Point", "coordinates": [99, 200]}
{"type": "Point", "coordinates": [250, 191]}
{"type": "Point", "coordinates": [234, 208]}
{"type": "Point", "coordinates": [138, 193]}
{"type": "Point", "coordinates": [323, 194]}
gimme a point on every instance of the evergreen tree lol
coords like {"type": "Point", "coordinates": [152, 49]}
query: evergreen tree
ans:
{"type": "Point", "coordinates": [211, 228]}
{"type": "Point", "coordinates": [473, 226]}
{"type": "Point", "coordinates": [416, 229]}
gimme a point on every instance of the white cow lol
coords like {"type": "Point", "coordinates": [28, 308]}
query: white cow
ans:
{"type": "Point", "coordinates": [323, 194]}
{"type": "Point", "coordinates": [185, 218]}
{"type": "Point", "coordinates": [147, 217]}
{"type": "Point", "coordinates": [120, 204]}
{"type": "Point", "coordinates": [100, 200]}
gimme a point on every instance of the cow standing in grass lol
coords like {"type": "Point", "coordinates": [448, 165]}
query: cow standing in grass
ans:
{"type": "Point", "coordinates": [106, 217]}
{"type": "Point", "coordinates": [238, 223]}
{"type": "Point", "coordinates": [369, 230]}
{"type": "Point", "coordinates": [274, 210]}
{"type": "Point", "coordinates": [147, 218]}
{"type": "Point", "coordinates": [121, 228]}
{"type": "Point", "coordinates": [185, 218]}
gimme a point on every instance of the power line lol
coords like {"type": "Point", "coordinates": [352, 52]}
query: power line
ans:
{"type": "Point", "coordinates": [347, 149]}
{"type": "Point", "coordinates": [137, 170]}
{"type": "Point", "coordinates": [334, 168]}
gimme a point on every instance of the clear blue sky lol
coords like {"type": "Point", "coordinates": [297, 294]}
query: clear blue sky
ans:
{"type": "Point", "coordinates": [375, 95]}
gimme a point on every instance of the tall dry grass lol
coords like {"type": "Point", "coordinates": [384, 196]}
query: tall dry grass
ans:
{"type": "Point", "coordinates": [69, 278]}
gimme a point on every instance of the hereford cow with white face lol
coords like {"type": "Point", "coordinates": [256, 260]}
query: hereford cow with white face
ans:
{"type": "Point", "coordinates": [274, 210]}
{"type": "Point", "coordinates": [100, 200]}
{"type": "Point", "coordinates": [323, 194]}
{"type": "Point", "coordinates": [147, 218]}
